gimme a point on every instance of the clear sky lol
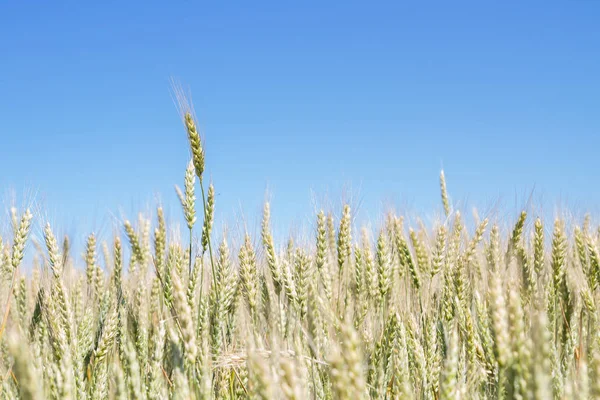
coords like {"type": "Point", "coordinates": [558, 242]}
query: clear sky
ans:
{"type": "Point", "coordinates": [302, 101]}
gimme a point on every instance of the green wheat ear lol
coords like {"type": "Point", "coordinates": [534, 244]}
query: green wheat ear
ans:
{"type": "Point", "coordinates": [188, 197]}
{"type": "Point", "coordinates": [344, 238]}
{"type": "Point", "coordinates": [249, 275]}
{"type": "Point", "coordinates": [439, 252]}
{"type": "Point", "coordinates": [538, 247]}
{"type": "Point", "coordinates": [195, 145]}
{"type": "Point", "coordinates": [321, 258]}
{"type": "Point", "coordinates": [53, 253]}
{"type": "Point", "coordinates": [383, 268]}
{"type": "Point", "coordinates": [444, 191]}
{"type": "Point", "coordinates": [21, 235]}
{"type": "Point", "coordinates": [269, 246]}
{"type": "Point", "coordinates": [209, 215]}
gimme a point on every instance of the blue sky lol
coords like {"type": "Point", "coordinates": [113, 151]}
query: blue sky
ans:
{"type": "Point", "coordinates": [307, 103]}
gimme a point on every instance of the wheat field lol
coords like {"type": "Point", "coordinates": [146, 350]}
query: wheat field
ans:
{"type": "Point", "coordinates": [462, 309]}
